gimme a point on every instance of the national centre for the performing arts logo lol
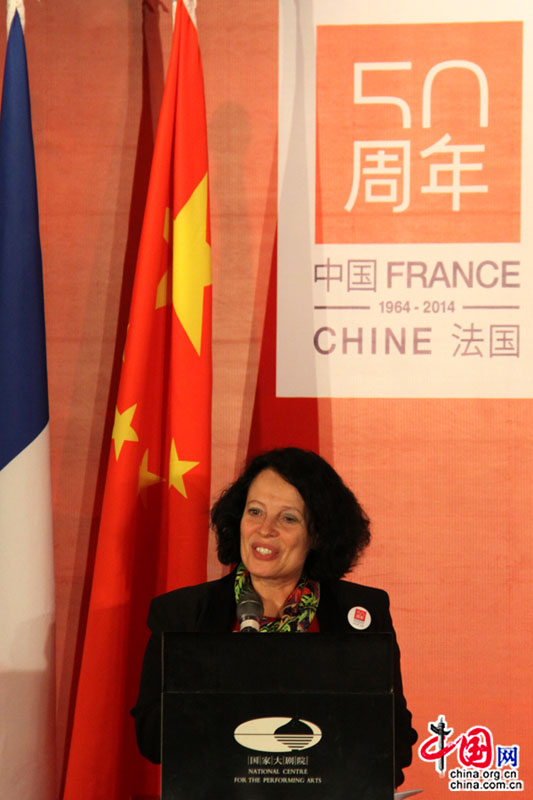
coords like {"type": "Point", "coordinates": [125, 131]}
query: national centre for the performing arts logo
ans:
{"type": "Point", "coordinates": [277, 734]}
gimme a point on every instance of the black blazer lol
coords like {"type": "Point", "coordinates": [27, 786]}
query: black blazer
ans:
{"type": "Point", "coordinates": [210, 608]}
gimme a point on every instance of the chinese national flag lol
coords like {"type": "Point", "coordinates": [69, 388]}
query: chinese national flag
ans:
{"type": "Point", "coordinates": [154, 525]}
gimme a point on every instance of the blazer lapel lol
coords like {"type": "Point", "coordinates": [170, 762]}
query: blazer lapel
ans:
{"type": "Point", "coordinates": [330, 613]}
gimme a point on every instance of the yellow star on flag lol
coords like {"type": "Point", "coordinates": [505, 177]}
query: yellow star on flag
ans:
{"type": "Point", "coordinates": [191, 263]}
{"type": "Point", "coordinates": [122, 430]}
{"type": "Point", "coordinates": [166, 225]}
{"type": "Point", "coordinates": [147, 478]}
{"type": "Point", "coordinates": [177, 470]}
{"type": "Point", "coordinates": [161, 298]}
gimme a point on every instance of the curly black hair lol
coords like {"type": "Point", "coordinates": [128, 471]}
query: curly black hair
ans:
{"type": "Point", "coordinates": [338, 527]}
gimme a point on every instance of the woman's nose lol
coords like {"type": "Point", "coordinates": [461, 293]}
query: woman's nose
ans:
{"type": "Point", "coordinates": [268, 526]}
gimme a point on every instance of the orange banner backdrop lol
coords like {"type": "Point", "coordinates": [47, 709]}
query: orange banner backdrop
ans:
{"type": "Point", "coordinates": [404, 283]}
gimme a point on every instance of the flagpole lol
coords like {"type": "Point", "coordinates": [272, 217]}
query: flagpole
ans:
{"type": "Point", "coordinates": [190, 5]}
{"type": "Point", "coordinates": [12, 6]}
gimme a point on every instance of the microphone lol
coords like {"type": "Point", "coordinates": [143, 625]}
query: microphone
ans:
{"type": "Point", "coordinates": [250, 612]}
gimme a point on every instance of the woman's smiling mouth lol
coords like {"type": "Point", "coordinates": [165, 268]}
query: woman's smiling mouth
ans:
{"type": "Point", "coordinates": [261, 550]}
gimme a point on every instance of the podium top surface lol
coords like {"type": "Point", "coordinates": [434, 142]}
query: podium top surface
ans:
{"type": "Point", "coordinates": [323, 662]}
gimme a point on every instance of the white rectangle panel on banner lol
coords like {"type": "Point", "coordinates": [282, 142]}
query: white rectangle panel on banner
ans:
{"type": "Point", "coordinates": [405, 200]}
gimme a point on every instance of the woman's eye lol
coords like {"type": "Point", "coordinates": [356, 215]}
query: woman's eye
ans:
{"type": "Point", "coordinates": [254, 512]}
{"type": "Point", "coordinates": [290, 519]}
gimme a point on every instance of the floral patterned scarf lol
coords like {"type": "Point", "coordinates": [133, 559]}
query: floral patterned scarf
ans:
{"type": "Point", "coordinates": [299, 609]}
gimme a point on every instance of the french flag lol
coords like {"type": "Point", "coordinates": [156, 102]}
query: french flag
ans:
{"type": "Point", "coordinates": [27, 675]}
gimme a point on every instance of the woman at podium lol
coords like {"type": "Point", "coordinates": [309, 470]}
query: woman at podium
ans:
{"type": "Point", "coordinates": [291, 529]}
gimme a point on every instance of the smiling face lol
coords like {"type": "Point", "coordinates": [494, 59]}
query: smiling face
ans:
{"type": "Point", "coordinates": [274, 536]}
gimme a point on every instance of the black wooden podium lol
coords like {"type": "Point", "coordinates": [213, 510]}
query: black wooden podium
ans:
{"type": "Point", "coordinates": [277, 717]}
